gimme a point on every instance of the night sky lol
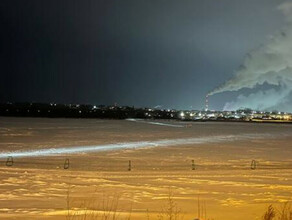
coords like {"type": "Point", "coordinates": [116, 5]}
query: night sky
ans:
{"type": "Point", "coordinates": [131, 52]}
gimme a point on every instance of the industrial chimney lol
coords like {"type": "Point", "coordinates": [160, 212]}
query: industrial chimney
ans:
{"type": "Point", "coordinates": [207, 103]}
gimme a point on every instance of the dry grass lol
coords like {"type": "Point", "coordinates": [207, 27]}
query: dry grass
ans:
{"type": "Point", "coordinates": [284, 212]}
{"type": "Point", "coordinates": [269, 214]}
{"type": "Point", "coordinates": [91, 210]}
{"type": "Point", "coordinates": [109, 209]}
{"type": "Point", "coordinates": [170, 211]}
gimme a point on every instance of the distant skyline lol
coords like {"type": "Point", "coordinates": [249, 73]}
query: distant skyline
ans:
{"type": "Point", "coordinates": [131, 52]}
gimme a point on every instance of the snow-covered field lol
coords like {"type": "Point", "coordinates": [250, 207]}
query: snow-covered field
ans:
{"type": "Point", "coordinates": [161, 154]}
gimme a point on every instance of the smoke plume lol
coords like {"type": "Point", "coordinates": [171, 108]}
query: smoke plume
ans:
{"type": "Point", "coordinates": [262, 100]}
{"type": "Point", "coordinates": [270, 64]}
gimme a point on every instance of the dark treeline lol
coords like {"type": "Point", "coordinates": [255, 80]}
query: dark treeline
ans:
{"type": "Point", "coordinates": [53, 110]}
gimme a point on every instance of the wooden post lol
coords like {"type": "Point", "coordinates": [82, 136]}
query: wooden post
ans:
{"type": "Point", "coordinates": [9, 161]}
{"type": "Point", "coordinates": [66, 164]}
{"type": "Point", "coordinates": [253, 165]}
{"type": "Point", "coordinates": [130, 166]}
{"type": "Point", "coordinates": [193, 165]}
